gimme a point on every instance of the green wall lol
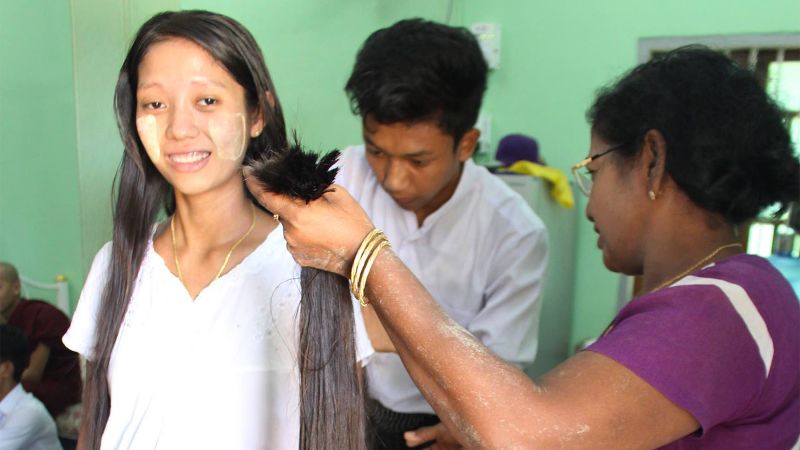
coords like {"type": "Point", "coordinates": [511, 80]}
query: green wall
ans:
{"type": "Point", "coordinates": [102, 32]}
{"type": "Point", "coordinates": [310, 46]}
{"type": "Point", "coordinates": [60, 147]}
{"type": "Point", "coordinates": [39, 196]}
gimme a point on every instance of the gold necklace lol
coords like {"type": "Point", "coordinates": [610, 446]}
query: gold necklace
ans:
{"type": "Point", "coordinates": [227, 257]}
{"type": "Point", "coordinates": [695, 266]}
{"type": "Point", "coordinates": [683, 274]}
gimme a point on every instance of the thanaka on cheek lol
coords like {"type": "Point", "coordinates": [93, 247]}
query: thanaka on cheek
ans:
{"type": "Point", "coordinates": [148, 133]}
{"type": "Point", "coordinates": [228, 132]}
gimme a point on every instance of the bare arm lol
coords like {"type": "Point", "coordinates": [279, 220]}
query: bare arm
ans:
{"type": "Point", "coordinates": [35, 370]}
{"type": "Point", "coordinates": [590, 401]}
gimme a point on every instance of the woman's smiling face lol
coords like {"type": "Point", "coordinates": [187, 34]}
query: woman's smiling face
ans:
{"type": "Point", "coordinates": [192, 117]}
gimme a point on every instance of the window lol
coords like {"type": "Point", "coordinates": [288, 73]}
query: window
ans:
{"type": "Point", "coordinates": [775, 59]}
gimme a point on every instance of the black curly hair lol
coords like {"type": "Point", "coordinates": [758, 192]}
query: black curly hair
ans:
{"type": "Point", "coordinates": [417, 70]}
{"type": "Point", "coordinates": [728, 147]}
{"type": "Point", "coordinates": [14, 348]}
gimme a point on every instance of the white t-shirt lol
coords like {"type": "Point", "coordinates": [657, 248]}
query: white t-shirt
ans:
{"type": "Point", "coordinates": [482, 255]}
{"type": "Point", "coordinates": [25, 423]}
{"type": "Point", "coordinates": [216, 372]}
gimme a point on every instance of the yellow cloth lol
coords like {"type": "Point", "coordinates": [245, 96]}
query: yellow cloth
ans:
{"type": "Point", "coordinates": [559, 184]}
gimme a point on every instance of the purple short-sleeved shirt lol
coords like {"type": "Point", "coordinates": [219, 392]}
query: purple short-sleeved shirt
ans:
{"type": "Point", "coordinates": [723, 344]}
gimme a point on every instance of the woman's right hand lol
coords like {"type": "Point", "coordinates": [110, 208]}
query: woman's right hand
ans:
{"type": "Point", "coordinates": [325, 233]}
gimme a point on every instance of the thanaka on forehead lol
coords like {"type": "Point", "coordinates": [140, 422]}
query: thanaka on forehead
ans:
{"type": "Point", "coordinates": [202, 63]}
{"type": "Point", "coordinates": [200, 81]}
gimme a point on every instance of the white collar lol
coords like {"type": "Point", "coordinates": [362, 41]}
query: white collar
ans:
{"type": "Point", "coordinates": [9, 403]}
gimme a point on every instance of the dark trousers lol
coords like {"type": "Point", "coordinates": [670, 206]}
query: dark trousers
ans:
{"type": "Point", "coordinates": [385, 427]}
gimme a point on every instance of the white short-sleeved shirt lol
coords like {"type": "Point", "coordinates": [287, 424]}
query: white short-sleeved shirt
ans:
{"type": "Point", "coordinates": [25, 423]}
{"type": "Point", "coordinates": [215, 372]}
{"type": "Point", "coordinates": [482, 255]}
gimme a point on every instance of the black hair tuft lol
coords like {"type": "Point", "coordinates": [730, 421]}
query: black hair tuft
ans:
{"type": "Point", "coordinates": [297, 172]}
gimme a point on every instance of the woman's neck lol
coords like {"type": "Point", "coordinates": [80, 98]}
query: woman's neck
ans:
{"type": "Point", "coordinates": [690, 242]}
{"type": "Point", "coordinates": [209, 220]}
{"type": "Point", "coordinates": [210, 234]}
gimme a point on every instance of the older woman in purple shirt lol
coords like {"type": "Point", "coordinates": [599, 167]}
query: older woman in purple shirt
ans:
{"type": "Point", "coordinates": [684, 150]}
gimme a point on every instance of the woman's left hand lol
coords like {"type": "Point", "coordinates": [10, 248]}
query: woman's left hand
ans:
{"type": "Point", "coordinates": [439, 433]}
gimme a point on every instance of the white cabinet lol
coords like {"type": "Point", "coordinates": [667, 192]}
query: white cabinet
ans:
{"type": "Point", "coordinates": [556, 319]}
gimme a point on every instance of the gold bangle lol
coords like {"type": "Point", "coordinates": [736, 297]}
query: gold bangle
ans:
{"type": "Point", "coordinates": [360, 252]}
{"type": "Point", "coordinates": [356, 281]}
{"type": "Point", "coordinates": [358, 265]}
{"type": "Point", "coordinates": [365, 257]}
{"type": "Point", "coordinates": [363, 281]}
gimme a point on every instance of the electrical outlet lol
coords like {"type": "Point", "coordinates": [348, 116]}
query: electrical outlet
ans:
{"type": "Point", "coordinates": [488, 36]}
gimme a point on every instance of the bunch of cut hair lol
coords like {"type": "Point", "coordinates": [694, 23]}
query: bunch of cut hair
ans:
{"type": "Point", "coordinates": [331, 392]}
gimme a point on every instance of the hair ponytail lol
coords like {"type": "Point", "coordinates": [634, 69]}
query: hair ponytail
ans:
{"type": "Point", "coordinates": [332, 414]}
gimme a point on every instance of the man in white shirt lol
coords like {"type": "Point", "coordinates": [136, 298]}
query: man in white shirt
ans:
{"type": "Point", "coordinates": [25, 423]}
{"type": "Point", "coordinates": [473, 242]}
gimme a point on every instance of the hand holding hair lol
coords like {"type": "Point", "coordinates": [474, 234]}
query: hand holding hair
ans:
{"type": "Point", "coordinates": [324, 233]}
{"type": "Point", "coordinates": [332, 411]}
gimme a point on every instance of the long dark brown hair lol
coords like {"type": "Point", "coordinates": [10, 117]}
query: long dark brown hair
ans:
{"type": "Point", "coordinates": [332, 412]}
{"type": "Point", "coordinates": [142, 192]}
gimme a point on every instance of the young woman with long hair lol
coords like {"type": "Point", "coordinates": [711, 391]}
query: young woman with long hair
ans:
{"type": "Point", "coordinates": [188, 318]}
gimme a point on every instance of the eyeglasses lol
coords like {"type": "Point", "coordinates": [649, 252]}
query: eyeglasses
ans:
{"type": "Point", "coordinates": [582, 174]}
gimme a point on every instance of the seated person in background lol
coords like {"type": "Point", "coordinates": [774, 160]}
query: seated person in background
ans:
{"type": "Point", "coordinates": [472, 242]}
{"type": "Point", "coordinates": [54, 374]}
{"type": "Point", "coordinates": [24, 421]}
